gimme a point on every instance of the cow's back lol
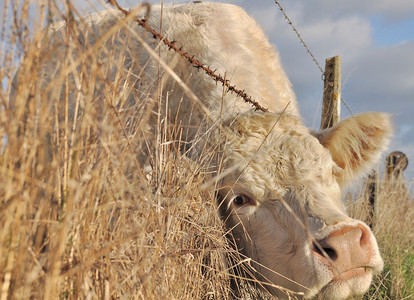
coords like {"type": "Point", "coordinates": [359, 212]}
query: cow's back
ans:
{"type": "Point", "coordinates": [224, 38]}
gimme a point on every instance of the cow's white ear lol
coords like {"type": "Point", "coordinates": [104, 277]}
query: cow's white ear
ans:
{"type": "Point", "coordinates": [356, 143]}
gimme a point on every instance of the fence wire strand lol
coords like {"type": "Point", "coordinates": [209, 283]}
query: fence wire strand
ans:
{"type": "Point", "coordinates": [196, 63]}
{"type": "Point", "coordinates": [299, 36]}
{"type": "Point", "coordinates": [306, 47]}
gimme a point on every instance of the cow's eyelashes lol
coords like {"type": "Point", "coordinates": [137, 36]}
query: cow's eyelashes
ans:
{"type": "Point", "coordinates": [240, 200]}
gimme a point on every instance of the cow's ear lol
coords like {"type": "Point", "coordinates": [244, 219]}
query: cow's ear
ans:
{"type": "Point", "coordinates": [356, 143]}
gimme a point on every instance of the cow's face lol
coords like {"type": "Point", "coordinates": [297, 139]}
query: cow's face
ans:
{"type": "Point", "coordinates": [282, 200]}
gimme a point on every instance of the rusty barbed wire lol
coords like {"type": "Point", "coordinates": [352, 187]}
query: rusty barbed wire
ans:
{"type": "Point", "coordinates": [306, 47]}
{"type": "Point", "coordinates": [298, 34]}
{"type": "Point", "coordinates": [196, 63]}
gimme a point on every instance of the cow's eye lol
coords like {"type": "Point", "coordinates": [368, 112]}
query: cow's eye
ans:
{"type": "Point", "coordinates": [240, 200]}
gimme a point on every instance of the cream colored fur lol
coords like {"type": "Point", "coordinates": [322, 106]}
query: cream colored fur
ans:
{"type": "Point", "coordinates": [289, 177]}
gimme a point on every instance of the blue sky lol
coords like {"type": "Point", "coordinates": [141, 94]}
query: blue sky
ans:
{"type": "Point", "coordinates": [387, 33]}
{"type": "Point", "coordinates": [375, 39]}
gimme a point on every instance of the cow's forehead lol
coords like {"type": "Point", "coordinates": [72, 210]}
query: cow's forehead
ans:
{"type": "Point", "coordinates": [286, 158]}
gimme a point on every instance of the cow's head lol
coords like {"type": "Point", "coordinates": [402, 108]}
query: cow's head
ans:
{"type": "Point", "coordinates": [282, 198]}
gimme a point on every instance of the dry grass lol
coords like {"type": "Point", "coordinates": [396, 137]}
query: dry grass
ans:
{"type": "Point", "coordinates": [393, 225]}
{"type": "Point", "coordinates": [83, 216]}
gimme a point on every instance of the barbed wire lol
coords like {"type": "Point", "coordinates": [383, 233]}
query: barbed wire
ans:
{"type": "Point", "coordinates": [306, 47]}
{"type": "Point", "coordinates": [212, 73]}
{"type": "Point", "coordinates": [346, 105]}
{"type": "Point", "coordinates": [299, 36]}
{"type": "Point", "coordinates": [197, 64]}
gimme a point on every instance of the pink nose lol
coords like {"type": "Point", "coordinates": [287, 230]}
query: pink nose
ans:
{"type": "Point", "coordinates": [348, 248]}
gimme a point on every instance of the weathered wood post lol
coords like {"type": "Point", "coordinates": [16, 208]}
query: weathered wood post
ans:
{"type": "Point", "coordinates": [372, 194]}
{"type": "Point", "coordinates": [331, 105]}
{"type": "Point", "coordinates": [396, 162]}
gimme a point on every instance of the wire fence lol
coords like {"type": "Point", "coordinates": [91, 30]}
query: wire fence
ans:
{"type": "Point", "coordinates": [306, 47]}
{"type": "Point", "coordinates": [196, 63]}
{"type": "Point", "coordinates": [212, 73]}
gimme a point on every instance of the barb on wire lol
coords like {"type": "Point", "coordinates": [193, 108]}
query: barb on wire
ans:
{"type": "Point", "coordinates": [197, 64]}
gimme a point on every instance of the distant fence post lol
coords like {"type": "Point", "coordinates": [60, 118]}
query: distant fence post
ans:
{"type": "Point", "coordinates": [331, 105]}
{"type": "Point", "coordinates": [372, 194]}
{"type": "Point", "coordinates": [396, 162]}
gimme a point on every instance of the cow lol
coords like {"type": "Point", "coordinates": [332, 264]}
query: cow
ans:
{"type": "Point", "coordinates": [279, 183]}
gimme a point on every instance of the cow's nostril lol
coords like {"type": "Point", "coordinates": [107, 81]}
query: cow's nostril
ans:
{"type": "Point", "coordinates": [331, 253]}
{"type": "Point", "coordinates": [325, 252]}
{"type": "Point", "coordinates": [346, 248]}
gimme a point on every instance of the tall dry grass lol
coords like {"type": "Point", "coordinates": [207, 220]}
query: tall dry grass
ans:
{"type": "Point", "coordinates": [95, 203]}
{"type": "Point", "coordinates": [392, 224]}
{"type": "Point", "coordinates": [83, 215]}
{"type": "Point", "coordinates": [80, 217]}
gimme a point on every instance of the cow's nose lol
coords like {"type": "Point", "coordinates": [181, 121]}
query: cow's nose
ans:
{"type": "Point", "coordinates": [345, 249]}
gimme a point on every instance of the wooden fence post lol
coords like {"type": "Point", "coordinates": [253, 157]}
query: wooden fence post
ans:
{"type": "Point", "coordinates": [331, 106]}
{"type": "Point", "coordinates": [396, 162]}
{"type": "Point", "coordinates": [372, 194]}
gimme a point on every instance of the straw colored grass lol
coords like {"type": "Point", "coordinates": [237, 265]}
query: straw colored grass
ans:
{"type": "Point", "coordinates": [95, 203]}
{"type": "Point", "coordinates": [104, 206]}
{"type": "Point", "coordinates": [393, 224]}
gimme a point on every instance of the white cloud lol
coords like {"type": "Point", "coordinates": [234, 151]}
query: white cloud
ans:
{"type": "Point", "coordinates": [337, 37]}
{"type": "Point", "coordinates": [384, 79]}
{"type": "Point", "coordinates": [393, 10]}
